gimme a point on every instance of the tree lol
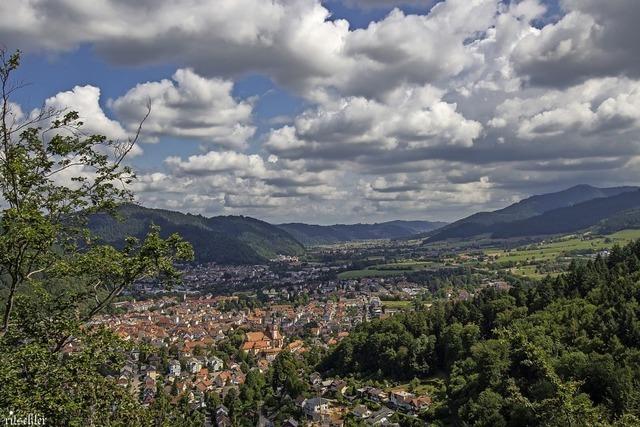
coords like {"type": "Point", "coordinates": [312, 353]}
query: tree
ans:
{"type": "Point", "coordinates": [562, 351]}
{"type": "Point", "coordinates": [232, 402]}
{"type": "Point", "coordinates": [414, 384]}
{"type": "Point", "coordinates": [486, 411]}
{"type": "Point", "coordinates": [54, 277]}
{"type": "Point", "coordinates": [284, 375]}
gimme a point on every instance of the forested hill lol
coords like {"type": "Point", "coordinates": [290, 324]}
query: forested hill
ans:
{"type": "Point", "coordinates": [309, 234]}
{"type": "Point", "coordinates": [561, 212]}
{"type": "Point", "coordinates": [559, 353]}
{"type": "Point", "coordinates": [572, 218]}
{"type": "Point", "coordinates": [223, 239]}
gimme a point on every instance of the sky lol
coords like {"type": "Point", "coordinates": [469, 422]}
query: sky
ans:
{"type": "Point", "coordinates": [343, 111]}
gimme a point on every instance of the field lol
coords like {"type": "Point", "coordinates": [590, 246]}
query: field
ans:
{"type": "Point", "coordinates": [370, 272]}
{"type": "Point", "coordinates": [530, 271]}
{"type": "Point", "coordinates": [533, 260]}
{"type": "Point", "coordinates": [423, 387]}
{"type": "Point", "coordinates": [559, 250]}
{"type": "Point", "coordinates": [406, 265]}
{"type": "Point", "coordinates": [386, 270]}
{"type": "Point", "coordinates": [397, 304]}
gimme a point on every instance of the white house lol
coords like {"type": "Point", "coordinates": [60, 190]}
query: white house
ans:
{"type": "Point", "coordinates": [194, 365]}
{"type": "Point", "coordinates": [174, 368]}
{"type": "Point", "coordinates": [361, 412]}
{"type": "Point", "coordinates": [315, 407]}
{"type": "Point", "coordinates": [215, 364]}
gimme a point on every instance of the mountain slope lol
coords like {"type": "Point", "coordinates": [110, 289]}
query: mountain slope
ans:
{"type": "Point", "coordinates": [570, 219]}
{"type": "Point", "coordinates": [628, 219]}
{"type": "Point", "coordinates": [485, 222]}
{"type": "Point", "coordinates": [223, 239]}
{"type": "Point", "coordinates": [328, 234]}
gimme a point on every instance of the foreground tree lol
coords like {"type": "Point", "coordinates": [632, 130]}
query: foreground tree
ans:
{"type": "Point", "coordinates": [54, 278]}
{"type": "Point", "coordinates": [563, 351]}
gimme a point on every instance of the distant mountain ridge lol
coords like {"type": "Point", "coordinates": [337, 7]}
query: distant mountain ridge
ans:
{"type": "Point", "coordinates": [572, 218]}
{"type": "Point", "coordinates": [569, 210]}
{"type": "Point", "coordinates": [628, 219]}
{"type": "Point", "coordinates": [245, 240]}
{"type": "Point", "coordinates": [222, 239]}
{"type": "Point", "coordinates": [309, 235]}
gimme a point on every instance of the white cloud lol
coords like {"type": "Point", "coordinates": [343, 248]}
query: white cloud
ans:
{"type": "Point", "coordinates": [214, 161]}
{"type": "Point", "coordinates": [594, 39]}
{"type": "Point", "coordinates": [373, 4]}
{"type": "Point", "coordinates": [294, 41]}
{"type": "Point", "coordinates": [407, 118]}
{"type": "Point", "coordinates": [598, 106]}
{"type": "Point", "coordinates": [237, 181]}
{"type": "Point", "coordinates": [85, 100]}
{"type": "Point", "coordinates": [190, 106]}
{"type": "Point", "coordinates": [444, 113]}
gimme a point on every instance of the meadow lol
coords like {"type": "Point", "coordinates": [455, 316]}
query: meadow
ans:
{"type": "Point", "coordinates": [567, 246]}
{"type": "Point", "coordinates": [524, 261]}
{"type": "Point", "coordinates": [388, 269]}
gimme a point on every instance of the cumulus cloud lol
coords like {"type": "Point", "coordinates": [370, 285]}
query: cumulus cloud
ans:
{"type": "Point", "coordinates": [85, 100]}
{"type": "Point", "coordinates": [14, 112]}
{"type": "Point", "coordinates": [596, 107]}
{"type": "Point", "coordinates": [237, 183]}
{"type": "Point", "coordinates": [216, 37]}
{"type": "Point", "coordinates": [467, 106]}
{"type": "Point", "coordinates": [414, 49]}
{"type": "Point", "coordinates": [425, 192]}
{"type": "Point", "coordinates": [593, 39]}
{"type": "Point", "coordinates": [408, 118]}
{"type": "Point", "coordinates": [214, 161]}
{"type": "Point", "coordinates": [190, 106]}
{"type": "Point", "coordinates": [373, 4]}
{"type": "Point", "coordinates": [295, 41]}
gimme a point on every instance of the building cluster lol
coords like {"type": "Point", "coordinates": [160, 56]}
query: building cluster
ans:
{"type": "Point", "coordinates": [194, 340]}
{"type": "Point", "coordinates": [184, 332]}
{"type": "Point", "coordinates": [286, 280]}
{"type": "Point", "coordinates": [216, 278]}
{"type": "Point", "coordinates": [334, 401]}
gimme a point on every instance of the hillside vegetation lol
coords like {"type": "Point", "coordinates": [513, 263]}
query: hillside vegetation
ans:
{"type": "Point", "coordinates": [620, 221]}
{"type": "Point", "coordinates": [310, 235]}
{"type": "Point", "coordinates": [224, 239]}
{"type": "Point", "coordinates": [563, 352]}
{"type": "Point", "coordinates": [569, 219]}
{"type": "Point", "coordinates": [567, 211]}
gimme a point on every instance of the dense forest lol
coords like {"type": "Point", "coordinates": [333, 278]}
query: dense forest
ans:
{"type": "Point", "coordinates": [440, 279]}
{"type": "Point", "coordinates": [310, 235]}
{"type": "Point", "coordinates": [565, 351]}
{"type": "Point", "coordinates": [222, 239]}
{"type": "Point", "coordinates": [628, 219]}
